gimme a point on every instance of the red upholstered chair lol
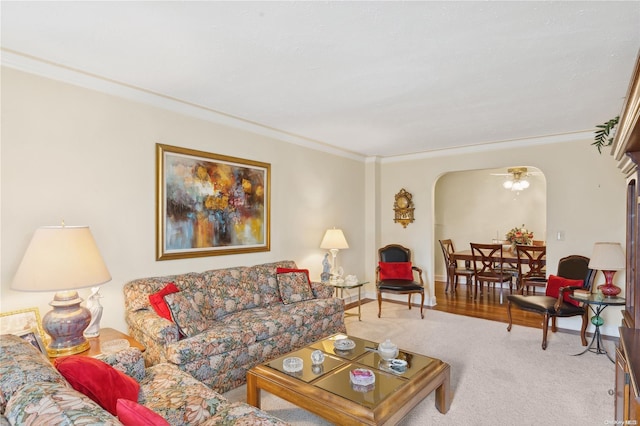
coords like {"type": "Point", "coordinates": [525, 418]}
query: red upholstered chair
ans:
{"type": "Point", "coordinates": [556, 303]}
{"type": "Point", "coordinates": [396, 274]}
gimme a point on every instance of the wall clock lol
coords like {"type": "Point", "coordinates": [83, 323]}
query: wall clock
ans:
{"type": "Point", "coordinates": [403, 206]}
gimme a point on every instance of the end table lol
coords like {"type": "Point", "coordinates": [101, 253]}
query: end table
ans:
{"type": "Point", "coordinates": [344, 285]}
{"type": "Point", "coordinates": [108, 334]}
{"type": "Point", "coordinates": [597, 304]}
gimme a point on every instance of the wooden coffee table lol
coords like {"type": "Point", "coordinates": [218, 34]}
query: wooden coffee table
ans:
{"type": "Point", "coordinates": [327, 390]}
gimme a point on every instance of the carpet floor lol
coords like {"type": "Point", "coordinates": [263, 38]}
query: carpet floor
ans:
{"type": "Point", "coordinates": [497, 377]}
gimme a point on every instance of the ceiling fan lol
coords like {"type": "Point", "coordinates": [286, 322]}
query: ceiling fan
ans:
{"type": "Point", "coordinates": [517, 178]}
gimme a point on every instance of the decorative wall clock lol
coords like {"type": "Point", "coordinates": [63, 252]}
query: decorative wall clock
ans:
{"type": "Point", "coordinates": [403, 206]}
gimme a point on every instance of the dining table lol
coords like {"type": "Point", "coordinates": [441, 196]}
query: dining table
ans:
{"type": "Point", "coordinates": [509, 258]}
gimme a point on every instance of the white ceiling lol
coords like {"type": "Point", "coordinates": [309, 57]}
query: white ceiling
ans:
{"type": "Point", "coordinates": [374, 78]}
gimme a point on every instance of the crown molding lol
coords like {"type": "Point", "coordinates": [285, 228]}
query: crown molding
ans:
{"type": "Point", "coordinates": [54, 71]}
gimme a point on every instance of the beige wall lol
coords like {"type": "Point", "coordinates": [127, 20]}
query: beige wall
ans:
{"type": "Point", "coordinates": [89, 158]}
{"type": "Point", "coordinates": [585, 199]}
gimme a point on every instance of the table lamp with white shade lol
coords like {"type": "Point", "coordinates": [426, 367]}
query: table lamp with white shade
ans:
{"type": "Point", "coordinates": [62, 259]}
{"type": "Point", "coordinates": [334, 241]}
{"type": "Point", "coordinates": [608, 258]}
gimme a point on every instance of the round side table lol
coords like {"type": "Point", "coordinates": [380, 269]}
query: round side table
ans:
{"type": "Point", "coordinates": [597, 304]}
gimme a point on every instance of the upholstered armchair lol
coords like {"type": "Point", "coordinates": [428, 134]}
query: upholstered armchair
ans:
{"type": "Point", "coordinates": [396, 274]}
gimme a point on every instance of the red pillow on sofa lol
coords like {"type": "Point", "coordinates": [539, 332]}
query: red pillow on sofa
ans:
{"type": "Point", "coordinates": [553, 287]}
{"type": "Point", "coordinates": [395, 271]}
{"type": "Point", "coordinates": [159, 304]}
{"type": "Point", "coordinates": [287, 270]}
{"type": "Point", "coordinates": [133, 414]}
{"type": "Point", "coordinates": [97, 380]}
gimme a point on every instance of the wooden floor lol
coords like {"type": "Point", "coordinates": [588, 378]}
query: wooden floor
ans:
{"type": "Point", "coordinates": [491, 305]}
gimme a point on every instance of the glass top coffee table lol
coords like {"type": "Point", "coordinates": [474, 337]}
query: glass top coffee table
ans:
{"type": "Point", "coordinates": [326, 389]}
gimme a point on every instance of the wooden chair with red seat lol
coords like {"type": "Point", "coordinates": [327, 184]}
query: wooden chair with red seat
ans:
{"type": "Point", "coordinates": [452, 268]}
{"type": "Point", "coordinates": [396, 274]}
{"type": "Point", "coordinates": [531, 267]}
{"type": "Point", "coordinates": [488, 266]}
{"type": "Point", "coordinates": [573, 273]}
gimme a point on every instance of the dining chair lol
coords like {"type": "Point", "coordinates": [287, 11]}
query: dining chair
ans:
{"type": "Point", "coordinates": [531, 267]}
{"type": "Point", "coordinates": [572, 270]}
{"type": "Point", "coordinates": [488, 266]}
{"type": "Point", "coordinates": [396, 274]}
{"type": "Point", "coordinates": [453, 272]}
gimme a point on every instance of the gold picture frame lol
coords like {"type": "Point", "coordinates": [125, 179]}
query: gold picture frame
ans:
{"type": "Point", "coordinates": [209, 204]}
{"type": "Point", "coordinates": [22, 322]}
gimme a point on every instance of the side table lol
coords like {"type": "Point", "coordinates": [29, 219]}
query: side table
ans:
{"type": "Point", "coordinates": [108, 334]}
{"type": "Point", "coordinates": [597, 304]}
{"type": "Point", "coordinates": [342, 286]}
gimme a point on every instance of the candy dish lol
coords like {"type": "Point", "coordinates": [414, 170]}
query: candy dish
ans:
{"type": "Point", "coordinates": [292, 364]}
{"type": "Point", "coordinates": [344, 344]}
{"type": "Point", "coordinates": [362, 377]}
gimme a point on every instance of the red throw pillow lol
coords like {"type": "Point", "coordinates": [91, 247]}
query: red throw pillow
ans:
{"type": "Point", "coordinates": [553, 287]}
{"type": "Point", "coordinates": [159, 304]}
{"type": "Point", "coordinates": [133, 414]}
{"type": "Point", "coordinates": [287, 270]}
{"type": "Point", "coordinates": [396, 271]}
{"type": "Point", "coordinates": [97, 380]}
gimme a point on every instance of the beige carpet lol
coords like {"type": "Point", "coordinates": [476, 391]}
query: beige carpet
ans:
{"type": "Point", "coordinates": [498, 378]}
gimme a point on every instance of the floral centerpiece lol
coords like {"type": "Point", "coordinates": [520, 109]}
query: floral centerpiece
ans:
{"type": "Point", "coordinates": [520, 235]}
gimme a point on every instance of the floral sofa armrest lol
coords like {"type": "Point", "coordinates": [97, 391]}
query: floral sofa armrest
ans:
{"type": "Point", "coordinates": [321, 290]}
{"type": "Point", "coordinates": [129, 361]}
{"type": "Point", "coordinates": [153, 326]}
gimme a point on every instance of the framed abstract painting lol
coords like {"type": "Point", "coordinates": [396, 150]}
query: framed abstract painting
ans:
{"type": "Point", "coordinates": [209, 204]}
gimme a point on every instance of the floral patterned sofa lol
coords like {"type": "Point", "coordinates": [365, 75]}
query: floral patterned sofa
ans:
{"type": "Point", "coordinates": [228, 320]}
{"type": "Point", "coordinates": [33, 392]}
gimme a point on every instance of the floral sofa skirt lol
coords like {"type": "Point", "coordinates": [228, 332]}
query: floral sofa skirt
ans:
{"type": "Point", "coordinates": [33, 392]}
{"type": "Point", "coordinates": [226, 321]}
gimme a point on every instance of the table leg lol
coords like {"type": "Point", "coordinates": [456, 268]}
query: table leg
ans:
{"type": "Point", "coordinates": [443, 394]}
{"type": "Point", "coordinates": [253, 391]}
{"type": "Point", "coordinates": [359, 304]}
{"type": "Point", "coordinates": [597, 321]}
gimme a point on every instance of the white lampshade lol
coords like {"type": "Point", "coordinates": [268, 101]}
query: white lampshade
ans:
{"type": "Point", "coordinates": [334, 239]}
{"type": "Point", "coordinates": [607, 257]}
{"type": "Point", "coordinates": [61, 258]}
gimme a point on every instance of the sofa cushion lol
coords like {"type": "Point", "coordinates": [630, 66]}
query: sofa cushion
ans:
{"type": "Point", "coordinates": [159, 304]}
{"type": "Point", "coordinates": [22, 363]}
{"type": "Point", "coordinates": [294, 287]}
{"type": "Point", "coordinates": [242, 414]}
{"type": "Point", "coordinates": [97, 380]}
{"type": "Point", "coordinates": [261, 322]}
{"type": "Point", "coordinates": [42, 403]}
{"type": "Point", "coordinates": [133, 414]}
{"type": "Point", "coordinates": [219, 338]}
{"type": "Point", "coordinates": [129, 361]}
{"type": "Point", "coordinates": [185, 311]}
{"type": "Point", "coordinates": [177, 397]}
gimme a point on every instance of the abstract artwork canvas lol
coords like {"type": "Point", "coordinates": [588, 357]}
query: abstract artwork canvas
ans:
{"type": "Point", "coordinates": [209, 204]}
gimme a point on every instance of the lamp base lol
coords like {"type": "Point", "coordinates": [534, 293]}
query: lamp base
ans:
{"type": "Point", "coordinates": [65, 324]}
{"type": "Point", "coordinates": [609, 290]}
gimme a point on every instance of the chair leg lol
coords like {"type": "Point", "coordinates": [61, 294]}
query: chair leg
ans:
{"type": "Point", "coordinates": [545, 328]}
{"type": "Point", "coordinates": [422, 304]}
{"type": "Point", "coordinates": [554, 326]}
{"type": "Point", "coordinates": [509, 315]}
{"type": "Point", "coordinates": [583, 329]}
{"type": "Point", "coordinates": [379, 303]}
{"type": "Point", "coordinates": [446, 287]}
{"type": "Point", "coordinates": [409, 301]}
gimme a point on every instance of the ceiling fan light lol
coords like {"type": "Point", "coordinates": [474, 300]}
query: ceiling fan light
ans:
{"type": "Point", "coordinates": [524, 183]}
{"type": "Point", "coordinates": [507, 184]}
{"type": "Point", "coordinates": [517, 186]}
